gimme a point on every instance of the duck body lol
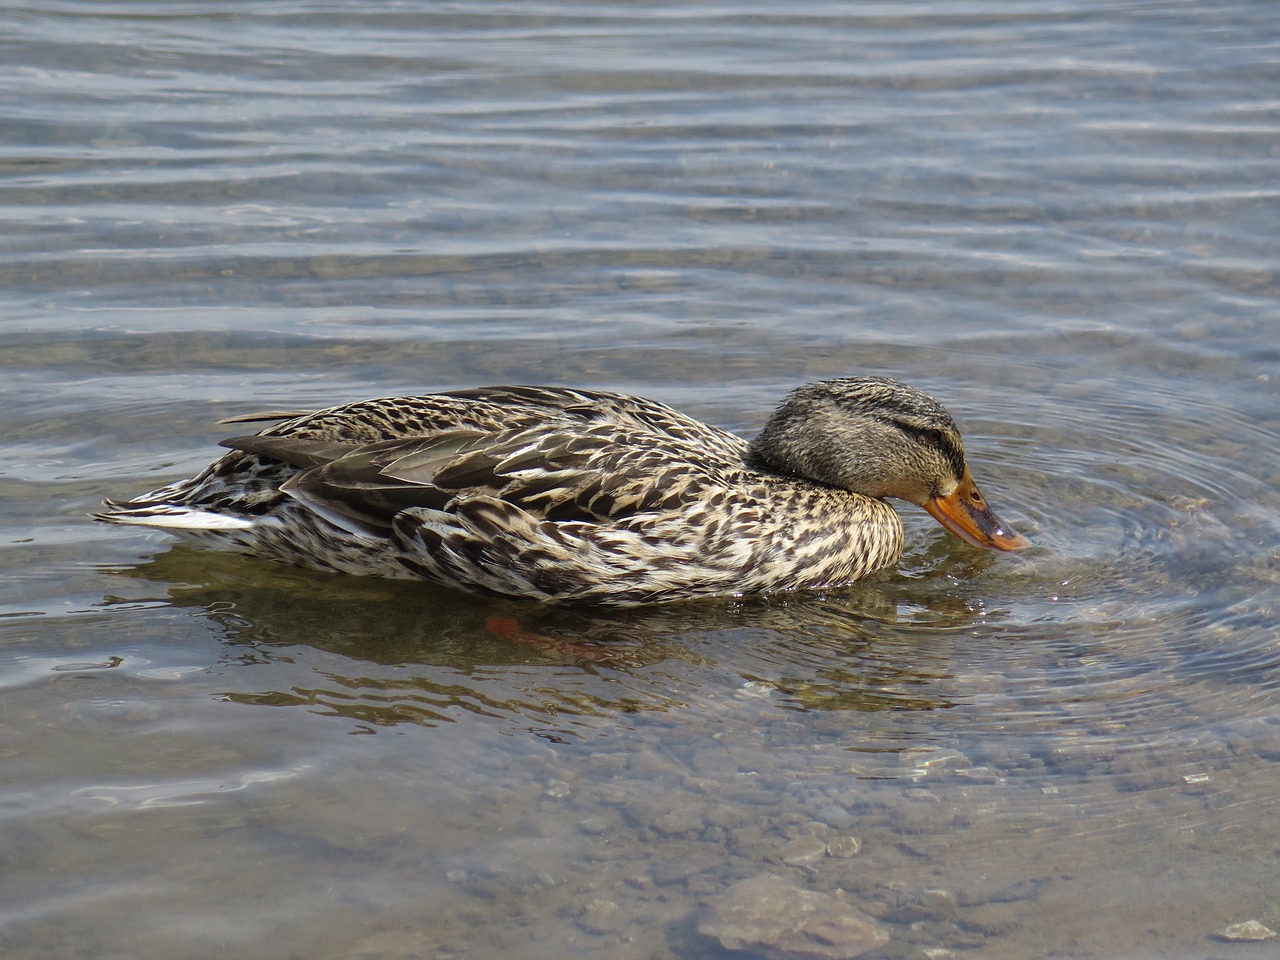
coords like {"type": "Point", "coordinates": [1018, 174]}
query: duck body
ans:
{"type": "Point", "coordinates": [562, 495]}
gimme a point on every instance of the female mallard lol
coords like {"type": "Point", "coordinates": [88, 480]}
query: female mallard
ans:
{"type": "Point", "coordinates": [555, 494]}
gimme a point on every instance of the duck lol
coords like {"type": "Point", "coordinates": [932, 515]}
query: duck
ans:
{"type": "Point", "coordinates": [564, 495]}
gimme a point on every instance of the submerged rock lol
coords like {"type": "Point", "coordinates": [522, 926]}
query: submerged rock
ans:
{"type": "Point", "coordinates": [802, 851]}
{"type": "Point", "coordinates": [678, 869]}
{"type": "Point", "coordinates": [1251, 931]}
{"type": "Point", "coordinates": [775, 919]}
{"type": "Point", "coordinates": [601, 917]}
{"type": "Point", "coordinates": [844, 847]}
{"type": "Point", "coordinates": [930, 905]}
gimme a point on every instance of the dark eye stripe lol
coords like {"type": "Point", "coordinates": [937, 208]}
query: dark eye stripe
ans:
{"type": "Point", "coordinates": [933, 437]}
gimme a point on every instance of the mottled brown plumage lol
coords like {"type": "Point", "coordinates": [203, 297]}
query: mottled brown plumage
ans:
{"type": "Point", "coordinates": [556, 494]}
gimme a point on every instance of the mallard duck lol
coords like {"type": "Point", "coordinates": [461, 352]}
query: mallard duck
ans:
{"type": "Point", "coordinates": [558, 494]}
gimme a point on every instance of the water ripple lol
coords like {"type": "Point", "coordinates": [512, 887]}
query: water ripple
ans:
{"type": "Point", "coordinates": [1057, 217]}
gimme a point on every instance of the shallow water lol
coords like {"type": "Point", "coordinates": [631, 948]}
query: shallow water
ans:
{"type": "Point", "coordinates": [1058, 218]}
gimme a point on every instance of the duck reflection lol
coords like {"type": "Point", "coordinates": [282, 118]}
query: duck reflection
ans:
{"type": "Point", "coordinates": [383, 653]}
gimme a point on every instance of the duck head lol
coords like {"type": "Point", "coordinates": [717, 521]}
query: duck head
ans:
{"type": "Point", "coordinates": [882, 438]}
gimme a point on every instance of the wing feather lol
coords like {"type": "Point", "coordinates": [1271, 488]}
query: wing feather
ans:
{"type": "Point", "coordinates": [571, 457]}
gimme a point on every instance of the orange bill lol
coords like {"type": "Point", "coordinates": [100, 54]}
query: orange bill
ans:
{"type": "Point", "coordinates": [967, 515]}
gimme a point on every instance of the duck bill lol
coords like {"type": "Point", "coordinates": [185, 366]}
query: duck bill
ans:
{"type": "Point", "coordinates": [966, 514]}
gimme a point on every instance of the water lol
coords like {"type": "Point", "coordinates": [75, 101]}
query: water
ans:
{"type": "Point", "coordinates": [1059, 218]}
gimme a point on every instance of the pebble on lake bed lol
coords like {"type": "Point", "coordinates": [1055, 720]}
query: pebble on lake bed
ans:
{"type": "Point", "coordinates": [803, 851]}
{"type": "Point", "coordinates": [601, 917]}
{"type": "Point", "coordinates": [844, 847]}
{"type": "Point", "coordinates": [775, 919]}
{"type": "Point", "coordinates": [1251, 931]}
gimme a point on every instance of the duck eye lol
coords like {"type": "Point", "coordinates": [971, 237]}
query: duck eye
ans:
{"type": "Point", "coordinates": [933, 437]}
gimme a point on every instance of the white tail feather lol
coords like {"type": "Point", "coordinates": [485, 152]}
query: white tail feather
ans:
{"type": "Point", "coordinates": [182, 519]}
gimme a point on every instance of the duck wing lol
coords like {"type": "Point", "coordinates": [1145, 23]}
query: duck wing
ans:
{"type": "Point", "coordinates": [558, 471]}
{"type": "Point", "coordinates": [596, 473]}
{"type": "Point", "coordinates": [347, 483]}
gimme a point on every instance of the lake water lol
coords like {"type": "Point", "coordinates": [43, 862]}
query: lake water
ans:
{"type": "Point", "coordinates": [1059, 217]}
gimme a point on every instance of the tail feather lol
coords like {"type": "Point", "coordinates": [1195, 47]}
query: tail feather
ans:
{"type": "Point", "coordinates": [168, 516]}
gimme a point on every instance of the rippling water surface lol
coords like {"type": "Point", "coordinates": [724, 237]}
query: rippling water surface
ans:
{"type": "Point", "coordinates": [1059, 218]}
